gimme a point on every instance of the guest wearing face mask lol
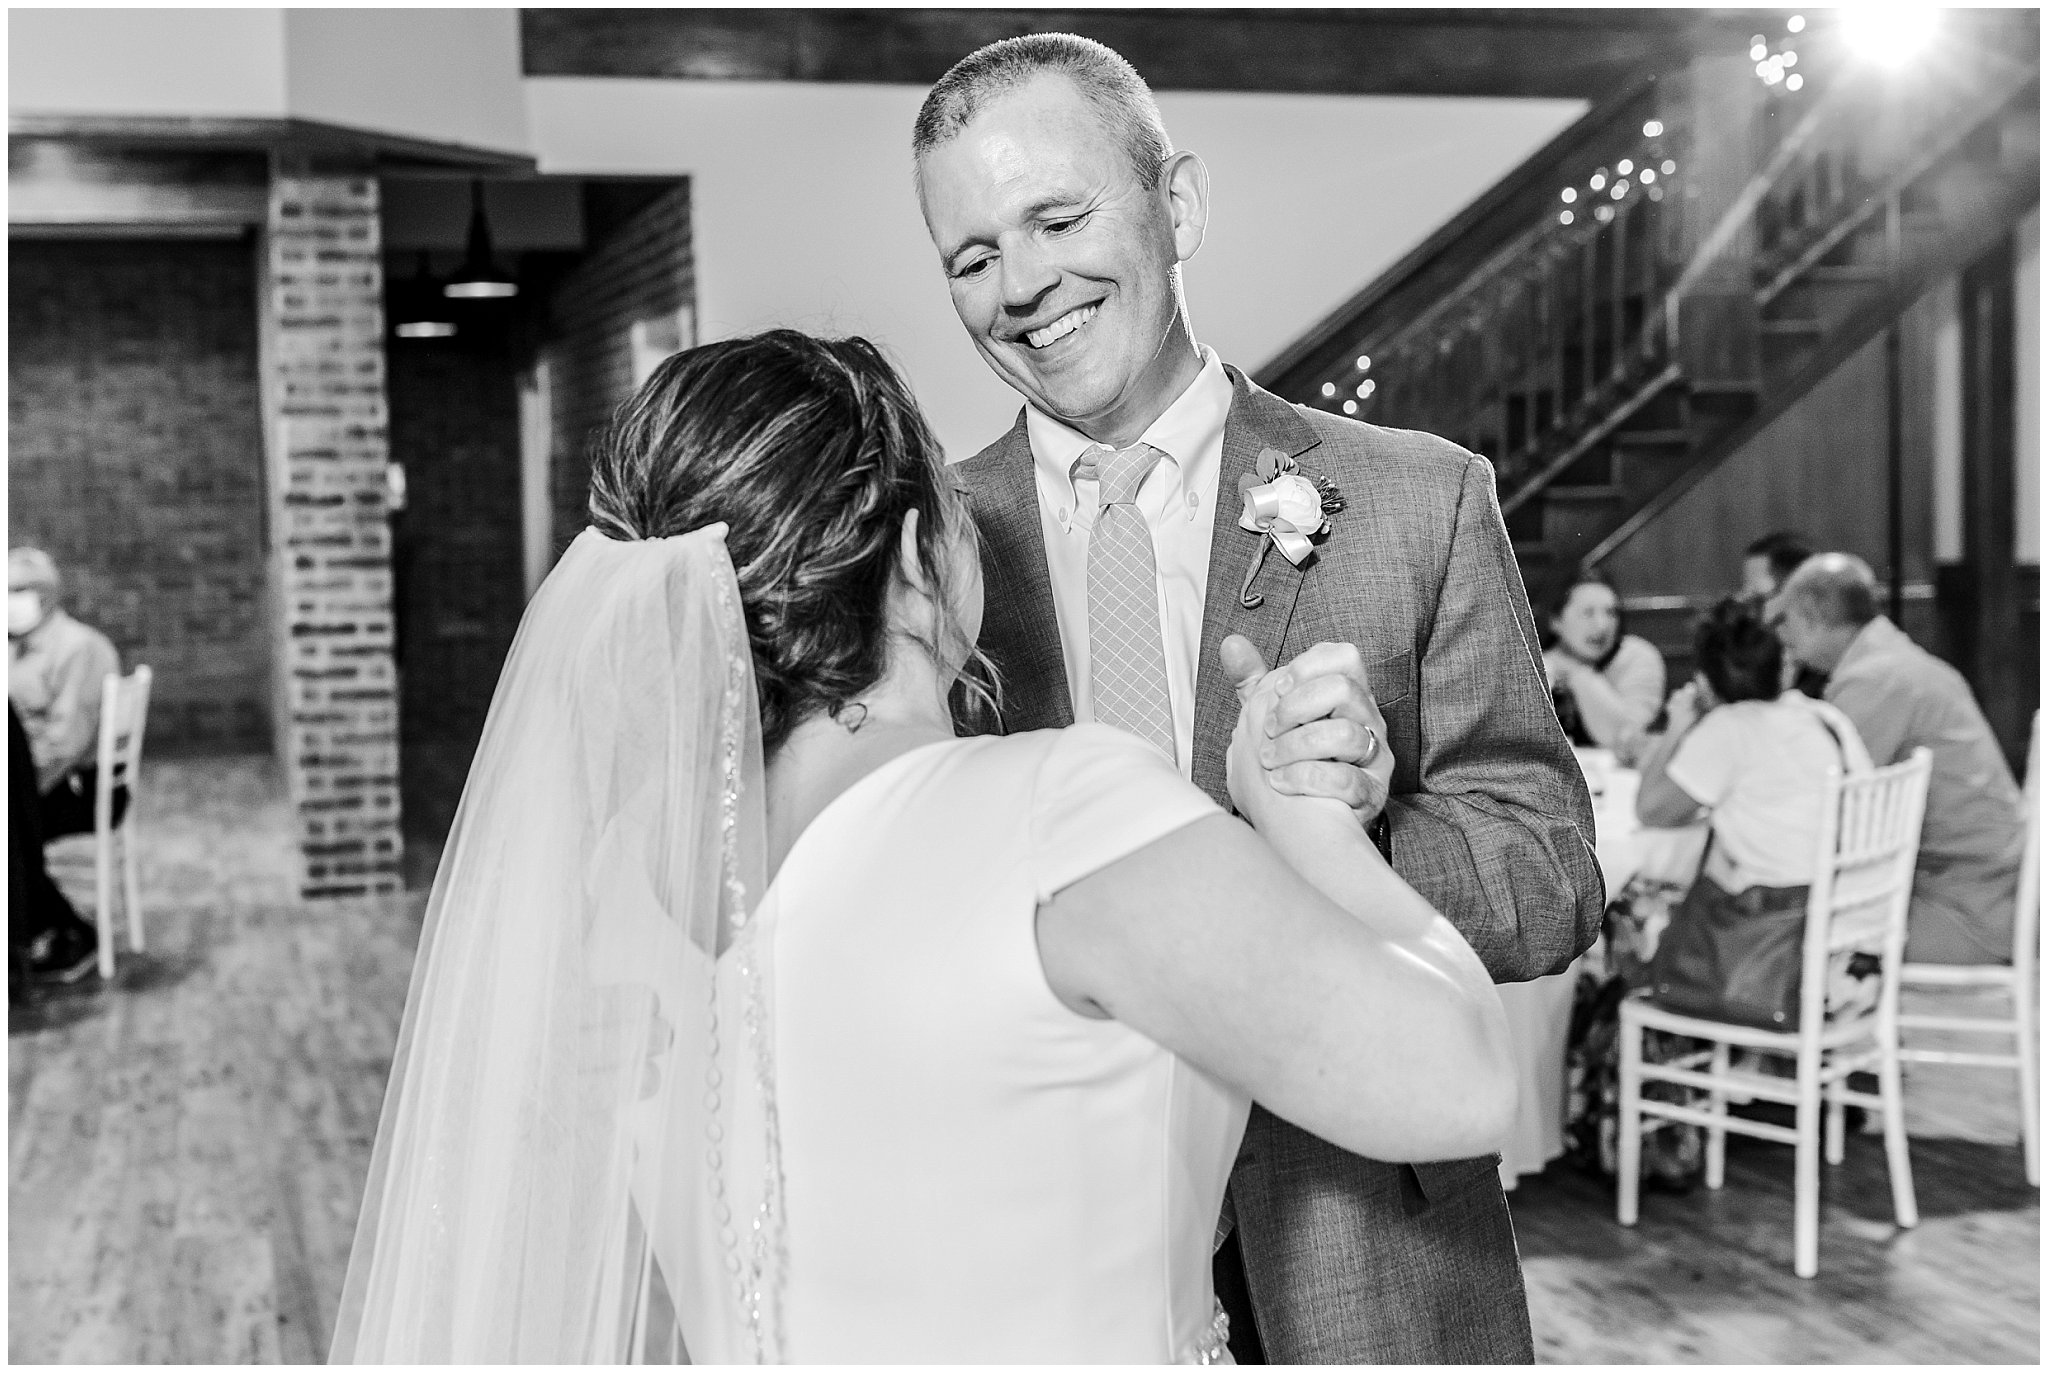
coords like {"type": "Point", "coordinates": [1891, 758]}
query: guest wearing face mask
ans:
{"type": "Point", "coordinates": [55, 673]}
{"type": "Point", "coordinates": [54, 680]}
{"type": "Point", "coordinates": [1607, 684]}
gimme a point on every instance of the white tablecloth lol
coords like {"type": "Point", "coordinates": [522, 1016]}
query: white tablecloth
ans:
{"type": "Point", "coordinates": [1539, 1013]}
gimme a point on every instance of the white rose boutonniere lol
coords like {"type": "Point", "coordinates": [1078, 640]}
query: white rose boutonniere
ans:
{"type": "Point", "coordinates": [1288, 509]}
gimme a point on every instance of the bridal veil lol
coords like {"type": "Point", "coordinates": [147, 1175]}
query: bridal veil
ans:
{"type": "Point", "coordinates": [578, 1140]}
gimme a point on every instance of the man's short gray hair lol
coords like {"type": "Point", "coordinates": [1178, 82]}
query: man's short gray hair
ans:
{"type": "Point", "coordinates": [1836, 589]}
{"type": "Point", "coordinates": [1109, 83]}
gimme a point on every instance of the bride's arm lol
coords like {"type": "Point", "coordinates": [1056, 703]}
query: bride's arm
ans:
{"type": "Point", "coordinates": [1319, 983]}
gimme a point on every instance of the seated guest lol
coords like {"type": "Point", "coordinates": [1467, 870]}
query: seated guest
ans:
{"type": "Point", "coordinates": [44, 932]}
{"type": "Point", "coordinates": [1752, 759]}
{"type": "Point", "coordinates": [56, 671]}
{"type": "Point", "coordinates": [1902, 698]}
{"type": "Point", "coordinates": [1769, 560]}
{"type": "Point", "coordinates": [1766, 563]}
{"type": "Point", "coordinates": [1753, 762]}
{"type": "Point", "coordinates": [1607, 684]}
{"type": "Point", "coordinates": [54, 680]}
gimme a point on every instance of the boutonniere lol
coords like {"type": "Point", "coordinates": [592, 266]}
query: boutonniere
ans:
{"type": "Point", "coordinates": [1288, 509]}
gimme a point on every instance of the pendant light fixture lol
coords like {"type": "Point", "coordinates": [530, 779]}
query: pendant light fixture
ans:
{"type": "Point", "coordinates": [418, 309]}
{"type": "Point", "coordinates": [479, 278]}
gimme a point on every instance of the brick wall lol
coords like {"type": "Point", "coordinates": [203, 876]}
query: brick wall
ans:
{"type": "Point", "coordinates": [135, 458]}
{"type": "Point", "coordinates": [642, 268]}
{"type": "Point", "coordinates": [326, 402]}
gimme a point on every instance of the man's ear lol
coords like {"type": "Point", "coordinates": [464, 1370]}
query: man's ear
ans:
{"type": "Point", "coordinates": [1187, 199]}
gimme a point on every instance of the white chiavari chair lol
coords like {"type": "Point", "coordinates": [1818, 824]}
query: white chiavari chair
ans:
{"type": "Point", "coordinates": [2019, 985]}
{"type": "Point", "coordinates": [124, 712]}
{"type": "Point", "coordinates": [1870, 836]}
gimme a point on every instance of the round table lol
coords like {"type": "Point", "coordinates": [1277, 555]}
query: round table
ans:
{"type": "Point", "coordinates": [1539, 1013]}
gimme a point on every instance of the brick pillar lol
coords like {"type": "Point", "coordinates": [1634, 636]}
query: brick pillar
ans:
{"type": "Point", "coordinates": [337, 700]}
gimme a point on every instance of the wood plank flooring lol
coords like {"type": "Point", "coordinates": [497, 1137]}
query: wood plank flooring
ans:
{"type": "Point", "coordinates": [186, 1152]}
{"type": "Point", "coordinates": [187, 1147]}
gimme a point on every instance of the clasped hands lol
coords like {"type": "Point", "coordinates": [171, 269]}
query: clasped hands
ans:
{"type": "Point", "coordinates": [1313, 727]}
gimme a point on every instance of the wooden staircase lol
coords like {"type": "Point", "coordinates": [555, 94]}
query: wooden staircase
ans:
{"type": "Point", "coordinates": [1636, 301]}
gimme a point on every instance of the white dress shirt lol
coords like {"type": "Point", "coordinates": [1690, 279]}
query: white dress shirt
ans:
{"type": "Point", "coordinates": [1178, 501]}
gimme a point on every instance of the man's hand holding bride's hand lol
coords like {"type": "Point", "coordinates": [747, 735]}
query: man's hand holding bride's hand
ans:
{"type": "Point", "coordinates": [1320, 734]}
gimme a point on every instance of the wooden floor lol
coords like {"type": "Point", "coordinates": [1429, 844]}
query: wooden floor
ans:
{"type": "Point", "coordinates": [187, 1148]}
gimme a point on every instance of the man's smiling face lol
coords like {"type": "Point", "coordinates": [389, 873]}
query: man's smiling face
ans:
{"type": "Point", "coordinates": [1062, 263]}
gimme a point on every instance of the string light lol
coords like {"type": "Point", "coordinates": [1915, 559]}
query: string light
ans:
{"type": "Point", "coordinates": [1624, 167]}
{"type": "Point", "coordinates": [1795, 23]}
{"type": "Point", "coordinates": [1653, 129]}
{"type": "Point", "coordinates": [1649, 174]}
{"type": "Point", "coordinates": [1603, 213]}
{"type": "Point", "coordinates": [1620, 190]}
{"type": "Point", "coordinates": [1598, 179]}
{"type": "Point", "coordinates": [1794, 82]}
{"type": "Point", "coordinates": [1350, 407]}
{"type": "Point", "coordinates": [1329, 388]}
{"type": "Point", "coordinates": [1367, 387]}
{"type": "Point", "coordinates": [1364, 363]}
{"type": "Point", "coordinates": [1669, 167]}
{"type": "Point", "coordinates": [1564, 216]}
{"type": "Point", "coordinates": [1758, 49]}
{"type": "Point", "coordinates": [1569, 194]}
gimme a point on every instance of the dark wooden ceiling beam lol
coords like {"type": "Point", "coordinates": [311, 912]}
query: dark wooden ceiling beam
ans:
{"type": "Point", "coordinates": [1557, 53]}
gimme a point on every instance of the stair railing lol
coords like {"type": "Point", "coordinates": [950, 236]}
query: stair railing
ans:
{"type": "Point", "coordinates": [1550, 335]}
{"type": "Point", "coordinates": [1532, 341]}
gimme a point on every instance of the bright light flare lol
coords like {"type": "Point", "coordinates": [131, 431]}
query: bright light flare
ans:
{"type": "Point", "coordinates": [1890, 35]}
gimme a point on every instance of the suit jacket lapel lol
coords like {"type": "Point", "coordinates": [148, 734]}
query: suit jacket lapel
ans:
{"type": "Point", "coordinates": [1258, 420]}
{"type": "Point", "coordinates": [1019, 629]}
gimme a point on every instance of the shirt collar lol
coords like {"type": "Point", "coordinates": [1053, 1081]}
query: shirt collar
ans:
{"type": "Point", "coordinates": [1189, 429]}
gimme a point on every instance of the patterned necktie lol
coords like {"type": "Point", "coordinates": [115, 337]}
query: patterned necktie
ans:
{"type": "Point", "coordinates": [1127, 654]}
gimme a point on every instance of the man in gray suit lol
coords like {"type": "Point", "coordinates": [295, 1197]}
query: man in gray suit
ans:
{"type": "Point", "coordinates": [1412, 691]}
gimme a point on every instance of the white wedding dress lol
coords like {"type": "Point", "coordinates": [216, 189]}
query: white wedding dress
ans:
{"type": "Point", "coordinates": [972, 1172]}
{"type": "Point", "coordinates": [646, 1104]}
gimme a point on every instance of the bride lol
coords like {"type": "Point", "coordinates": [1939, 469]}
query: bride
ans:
{"type": "Point", "coordinates": [757, 1017]}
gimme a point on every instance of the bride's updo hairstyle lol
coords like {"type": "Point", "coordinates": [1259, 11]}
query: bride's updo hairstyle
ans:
{"type": "Point", "coordinates": [813, 452]}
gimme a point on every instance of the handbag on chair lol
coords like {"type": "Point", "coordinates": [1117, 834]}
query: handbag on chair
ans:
{"type": "Point", "coordinates": [1734, 956]}
{"type": "Point", "coordinates": [1737, 956]}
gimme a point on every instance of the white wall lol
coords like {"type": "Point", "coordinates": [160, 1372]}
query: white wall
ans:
{"type": "Point", "coordinates": [146, 62]}
{"type": "Point", "coordinates": [804, 216]}
{"type": "Point", "coordinates": [450, 75]}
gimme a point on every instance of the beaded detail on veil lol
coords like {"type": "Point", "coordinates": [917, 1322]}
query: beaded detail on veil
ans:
{"type": "Point", "coordinates": [1214, 1345]}
{"type": "Point", "coordinates": [756, 1276]}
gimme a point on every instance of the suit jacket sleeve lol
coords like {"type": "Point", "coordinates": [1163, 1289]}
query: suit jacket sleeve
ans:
{"type": "Point", "coordinates": [1499, 834]}
{"type": "Point", "coordinates": [71, 731]}
{"type": "Point", "coordinates": [1879, 712]}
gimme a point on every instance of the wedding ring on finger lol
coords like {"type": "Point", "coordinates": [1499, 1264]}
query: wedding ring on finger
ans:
{"type": "Point", "coordinates": [1372, 745]}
